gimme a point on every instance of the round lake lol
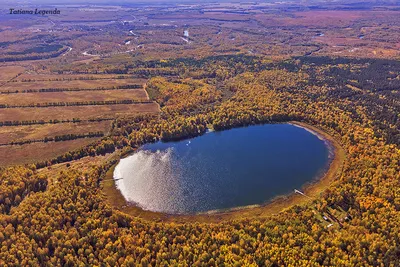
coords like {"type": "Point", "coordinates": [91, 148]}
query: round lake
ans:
{"type": "Point", "coordinates": [221, 170]}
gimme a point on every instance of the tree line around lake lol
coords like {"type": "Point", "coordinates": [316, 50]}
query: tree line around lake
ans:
{"type": "Point", "coordinates": [59, 216]}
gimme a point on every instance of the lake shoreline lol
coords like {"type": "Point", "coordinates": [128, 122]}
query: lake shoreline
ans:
{"type": "Point", "coordinates": [312, 189]}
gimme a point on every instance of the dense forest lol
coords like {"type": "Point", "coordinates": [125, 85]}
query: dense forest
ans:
{"type": "Point", "coordinates": [52, 215]}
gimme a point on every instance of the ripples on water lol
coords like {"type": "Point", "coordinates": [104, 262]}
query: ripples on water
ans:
{"type": "Point", "coordinates": [153, 180]}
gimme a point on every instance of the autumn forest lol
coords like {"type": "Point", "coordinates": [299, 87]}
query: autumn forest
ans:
{"type": "Point", "coordinates": [89, 87]}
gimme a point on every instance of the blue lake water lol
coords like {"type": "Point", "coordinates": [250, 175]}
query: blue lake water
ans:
{"type": "Point", "coordinates": [221, 170]}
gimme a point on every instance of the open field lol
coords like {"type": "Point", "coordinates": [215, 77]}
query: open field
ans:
{"type": "Point", "coordinates": [78, 96]}
{"type": "Point", "coordinates": [9, 72]}
{"type": "Point", "coordinates": [20, 154]}
{"type": "Point", "coordinates": [30, 90]}
{"type": "Point", "coordinates": [21, 86]}
{"type": "Point", "coordinates": [32, 132]}
{"type": "Point", "coordinates": [28, 153]}
{"type": "Point", "coordinates": [45, 76]}
{"type": "Point", "coordinates": [81, 112]}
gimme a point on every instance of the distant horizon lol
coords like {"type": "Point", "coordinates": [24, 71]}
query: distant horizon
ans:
{"type": "Point", "coordinates": [106, 2]}
{"type": "Point", "coordinates": [124, 2]}
{"type": "Point", "coordinates": [22, 3]}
